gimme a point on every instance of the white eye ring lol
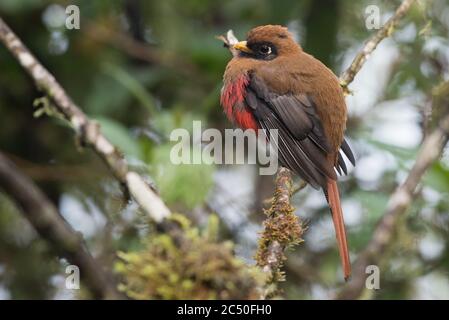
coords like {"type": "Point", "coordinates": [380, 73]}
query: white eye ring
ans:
{"type": "Point", "coordinates": [265, 50]}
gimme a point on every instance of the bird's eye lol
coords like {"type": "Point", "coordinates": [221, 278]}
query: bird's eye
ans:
{"type": "Point", "coordinates": [265, 50]}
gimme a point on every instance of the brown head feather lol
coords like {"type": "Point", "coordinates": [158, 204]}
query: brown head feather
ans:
{"type": "Point", "coordinates": [275, 34]}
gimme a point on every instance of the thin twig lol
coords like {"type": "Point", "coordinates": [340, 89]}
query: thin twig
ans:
{"type": "Point", "coordinates": [88, 131]}
{"type": "Point", "coordinates": [348, 76]}
{"type": "Point", "coordinates": [47, 221]}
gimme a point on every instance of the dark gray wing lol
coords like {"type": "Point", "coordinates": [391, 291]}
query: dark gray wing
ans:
{"type": "Point", "coordinates": [301, 144]}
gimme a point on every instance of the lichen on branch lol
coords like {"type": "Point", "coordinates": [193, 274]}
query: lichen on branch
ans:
{"type": "Point", "coordinates": [282, 230]}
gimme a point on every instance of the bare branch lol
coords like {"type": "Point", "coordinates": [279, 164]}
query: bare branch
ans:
{"type": "Point", "coordinates": [87, 130]}
{"type": "Point", "coordinates": [348, 76]}
{"type": "Point", "coordinates": [47, 221]}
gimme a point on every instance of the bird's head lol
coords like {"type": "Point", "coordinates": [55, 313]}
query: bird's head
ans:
{"type": "Point", "coordinates": [267, 43]}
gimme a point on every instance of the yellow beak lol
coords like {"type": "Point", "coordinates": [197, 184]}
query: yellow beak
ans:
{"type": "Point", "coordinates": [241, 46]}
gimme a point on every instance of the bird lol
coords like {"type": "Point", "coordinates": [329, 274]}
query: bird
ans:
{"type": "Point", "coordinates": [272, 83]}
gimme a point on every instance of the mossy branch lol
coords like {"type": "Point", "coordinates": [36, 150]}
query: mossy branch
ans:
{"type": "Point", "coordinates": [282, 230]}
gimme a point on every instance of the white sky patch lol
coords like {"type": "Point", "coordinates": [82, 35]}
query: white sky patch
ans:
{"type": "Point", "coordinates": [88, 223]}
{"type": "Point", "coordinates": [352, 211]}
{"type": "Point", "coordinates": [321, 236]}
{"type": "Point", "coordinates": [431, 246]}
{"type": "Point", "coordinates": [396, 123]}
{"type": "Point", "coordinates": [58, 281]}
{"type": "Point", "coordinates": [431, 196]}
{"type": "Point", "coordinates": [406, 34]}
{"type": "Point", "coordinates": [319, 292]}
{"type": "Point", "coordinates": [233, 199]}
{"type": "Point", "coordinates": [369, 84]}
{"type": "Point", "coordinates": [247, 242]}
{"type": "Point", "coordinates": [371, 167]}
{"type": "Point", "coordinates": [235, 193]}
{"type": "Point", "coordinates": [4, 293]}
{"type": "Point", "coordinates": [398, 264]}
{"type": "Point", "coordinates": [54, 16]}
{"type": "Point", "coordinates": [433, 286]}
{"type": "Point", "coordinates": [401, 134]}
{"type": "Point", "coordinates": [313, 201]}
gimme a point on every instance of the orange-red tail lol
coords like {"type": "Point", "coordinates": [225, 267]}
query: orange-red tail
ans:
{"type": "Point", "coordinates": [339, 224]}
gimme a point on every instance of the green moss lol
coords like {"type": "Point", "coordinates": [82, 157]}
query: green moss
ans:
{"type": "Point", "coordinates": [198, 267]}
{"type": "Point", "coordinates": [283, 229]}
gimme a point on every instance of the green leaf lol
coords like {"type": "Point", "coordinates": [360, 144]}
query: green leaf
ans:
{"type": "Point", "coordinates": [188, 184]}
{"type": "Point", "coordinates": [437, 177]}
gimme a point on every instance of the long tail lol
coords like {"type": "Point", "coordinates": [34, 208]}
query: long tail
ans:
{"type": "Point", "coordinates": [333, 199]}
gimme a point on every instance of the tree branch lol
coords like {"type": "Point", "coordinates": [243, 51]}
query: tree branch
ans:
{"type": "Point", "coordinates": [398, 204]}
{"type": "Point", "coordinates": [47, 221]}
{"type": "Point", "coordinates": [348, 76]}
{"type": "Point", "coordinates": [88, 131]}
{"type": "Point", "coordinates": [282, 229]}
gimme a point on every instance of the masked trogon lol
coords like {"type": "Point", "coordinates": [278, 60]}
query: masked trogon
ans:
{"type": "Point", "coordinates": [273, 84]}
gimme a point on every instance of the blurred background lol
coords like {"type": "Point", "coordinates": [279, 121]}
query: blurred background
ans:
{"type": "Point", "coordinates": [144, 68]}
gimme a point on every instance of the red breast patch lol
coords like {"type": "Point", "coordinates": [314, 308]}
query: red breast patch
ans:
{"type": "Point", "coordinates": [232, 99]}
